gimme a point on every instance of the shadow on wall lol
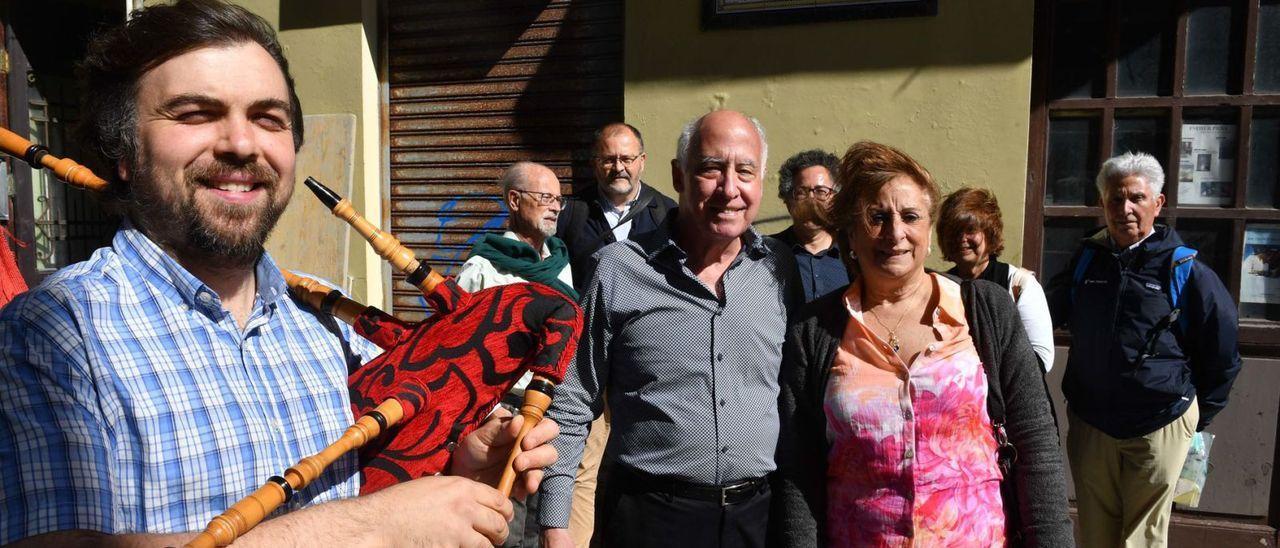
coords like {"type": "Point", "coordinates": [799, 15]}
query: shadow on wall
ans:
{"type": "Point", "coordinates": [971, 32]}
{"type": "Point", "coordinates": [476, 85]}
{"type": "Point", "coordinates": [963, 33]}
{"type": "Point", "coordinates": [302, 14]}
{"type": "Point", "coordinates": [569, 55]}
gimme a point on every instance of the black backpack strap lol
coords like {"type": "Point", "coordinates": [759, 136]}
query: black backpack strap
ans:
{"type": "Point", "coordinates": [638, 207]}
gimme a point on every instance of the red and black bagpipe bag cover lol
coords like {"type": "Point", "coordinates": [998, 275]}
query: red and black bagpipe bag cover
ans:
{"type": "Point", "coordinates": [459, 362]}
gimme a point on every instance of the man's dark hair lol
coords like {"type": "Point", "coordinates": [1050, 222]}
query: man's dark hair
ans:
{"type": "Point", "coordinates": [595, 137]}
{"type": "Point", "coordinates": [802, 161]}
{"type": "Point", "coordinates": [118, 57]}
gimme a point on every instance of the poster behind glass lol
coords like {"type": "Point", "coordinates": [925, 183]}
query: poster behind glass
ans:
{"type": "Point", "coordinates": [1260, 272]}
{"type": "Point", "coordinates": [1207, 165]}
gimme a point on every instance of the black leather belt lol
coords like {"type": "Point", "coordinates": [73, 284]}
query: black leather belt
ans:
{"type": "Point", "coordinates": [735, 492]}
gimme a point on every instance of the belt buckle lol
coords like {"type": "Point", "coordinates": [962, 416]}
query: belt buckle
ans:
{"type": "Point", "coordinates": [725, 491]}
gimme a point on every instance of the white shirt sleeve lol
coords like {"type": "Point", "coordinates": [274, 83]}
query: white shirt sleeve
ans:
{"type": "Point", "coordinates": [472, 275]}
{"type": "Point", "coordinates": [1034, 309]}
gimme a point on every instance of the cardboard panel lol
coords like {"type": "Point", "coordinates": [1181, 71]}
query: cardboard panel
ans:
{"type": "Point", "coordinates": [308, 238]}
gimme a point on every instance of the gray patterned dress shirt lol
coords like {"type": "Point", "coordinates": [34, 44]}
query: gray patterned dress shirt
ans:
{"type": "Point", "coordinates": [692, 379]}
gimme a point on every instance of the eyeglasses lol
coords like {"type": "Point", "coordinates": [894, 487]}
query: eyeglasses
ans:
{"type": "Point", "coordinates": [820, 192]}
{"type": "Point", "coordinates": [543, 198]}
{"type": "Point", "coordinates": [608, 161]}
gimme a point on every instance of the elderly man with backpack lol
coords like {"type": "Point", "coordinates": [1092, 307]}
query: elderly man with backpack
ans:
{"type": "Point", "coordinates": [1153, 355]}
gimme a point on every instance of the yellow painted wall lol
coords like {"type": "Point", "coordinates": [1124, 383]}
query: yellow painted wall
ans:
{"type": "Point", "coordinates": [333, 66]}
{"type": "Point", "coordinates": [326, 42]}
{"type": "Point", "coordinates": [952, 90]}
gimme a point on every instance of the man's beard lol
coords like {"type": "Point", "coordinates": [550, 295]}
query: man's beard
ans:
{"type": "Point", "coordinates": [527, 227]}
{"type": "Point", "coordinates": [613, 186]}
{"type": "Point", "coordinates": [232, 234]}
{"type": "Point", "coordinates": [547, 227]}
{"type": "Point", "coordinates": [813, 213]}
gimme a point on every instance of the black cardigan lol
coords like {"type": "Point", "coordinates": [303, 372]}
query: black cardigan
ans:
{"type": "Point", "coordinates": [800, 491]}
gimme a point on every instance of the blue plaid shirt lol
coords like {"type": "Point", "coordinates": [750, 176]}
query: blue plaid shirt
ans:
{"type": "Point", "coordinates": [130, 401]}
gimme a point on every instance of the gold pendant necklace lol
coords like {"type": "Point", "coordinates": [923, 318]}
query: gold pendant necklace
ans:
{"type": "Point", "coordinates": [894, 343]}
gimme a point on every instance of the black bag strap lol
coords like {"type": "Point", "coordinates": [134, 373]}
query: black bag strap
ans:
{"type": "Point", "coordinates": [640, 204]}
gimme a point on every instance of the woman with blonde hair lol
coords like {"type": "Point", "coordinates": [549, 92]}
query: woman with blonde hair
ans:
{"type": "Point", "coordinates": [913, 409]}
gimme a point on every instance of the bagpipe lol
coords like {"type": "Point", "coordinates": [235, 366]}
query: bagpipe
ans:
{"type": "Point", "coordinates": [436, 380]}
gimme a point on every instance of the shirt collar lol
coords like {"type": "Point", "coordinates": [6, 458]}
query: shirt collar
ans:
{"type": "Point", "coordinates": [1102, 238]}
{"type": "Point", "coordinates": [271, 285]}
{"type": "Point", "coordinates": [950, 309]}
{"type": "Point", "coordinates": [950, 302]}
{"type": "Point", "coordinates": [788, 237]}
{"type": "Point", "coordinates": [1135, 244]}
{"type": "Point", "coordinates": [147, 256]}
{"type": "Point", "coordinates": [657, 242]}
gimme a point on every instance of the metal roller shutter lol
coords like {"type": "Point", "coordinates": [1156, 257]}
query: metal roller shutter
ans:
{"type": "Point", "coordinates": [476, 86]}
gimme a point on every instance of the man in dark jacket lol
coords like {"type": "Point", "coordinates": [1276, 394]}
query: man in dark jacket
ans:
{"type": "Point", "coordinates": [619, 204]}
{"type": "Point", "coordinates": [1144, 372]}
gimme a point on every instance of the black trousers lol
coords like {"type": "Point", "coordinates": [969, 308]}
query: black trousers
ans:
{"type": "Point", "coordinates": [629, 516]}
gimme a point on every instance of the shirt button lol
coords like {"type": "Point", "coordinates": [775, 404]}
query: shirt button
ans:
{"type": "Point", "coordinates": [203, 298]}
{"type": "Point", "coordinates": [719, 357]}
{"type": "Point", "coordinates": [722, 403]}
{"type": "Point", "coordinates": [907, 414]}
{"type": "Point", "coordinates": [724, 449]}
{"type": "Point", "coordinates": [909, 453]}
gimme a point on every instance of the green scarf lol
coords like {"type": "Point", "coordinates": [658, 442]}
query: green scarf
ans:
{"type": "Point", "coordinates": [523, 260]}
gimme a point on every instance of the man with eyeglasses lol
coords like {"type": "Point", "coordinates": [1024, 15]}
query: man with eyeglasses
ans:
{"type": "Point", "coordinates": [618, 206]}
{"type": "Point", "coordinates": [806, 185]}
{"type": "Point", "coordinates": [527, 252]}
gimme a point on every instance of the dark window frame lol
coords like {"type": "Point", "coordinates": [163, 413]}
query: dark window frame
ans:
{"type": "Point", "coordinates": [1257, 337]}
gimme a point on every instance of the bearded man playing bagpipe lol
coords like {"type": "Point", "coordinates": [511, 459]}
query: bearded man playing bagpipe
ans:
{"type": "Point", "coordinates": [147, 389]}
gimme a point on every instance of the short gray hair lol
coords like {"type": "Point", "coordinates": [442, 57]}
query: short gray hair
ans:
{"type": "Point", "coordinates": [686, 138]}
{"type": "Point", "coordinates": [513, 175]}
{"type": "Point", "coordinates": [1131, 164]}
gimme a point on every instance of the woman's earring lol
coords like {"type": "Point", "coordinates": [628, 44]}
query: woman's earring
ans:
{"type": "Point", "coordinates": [853, 256]}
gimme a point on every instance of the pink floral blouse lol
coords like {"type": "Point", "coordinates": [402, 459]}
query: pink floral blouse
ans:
{"type": "Point", "coordinates": [913, 458]}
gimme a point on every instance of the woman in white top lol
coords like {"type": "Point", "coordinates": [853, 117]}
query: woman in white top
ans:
{"type": "Point", "coordinates": [969, 233]}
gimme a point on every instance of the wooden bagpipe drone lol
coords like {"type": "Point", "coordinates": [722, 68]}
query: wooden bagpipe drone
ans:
{"type": "Point", "coordinates": [436, 380]}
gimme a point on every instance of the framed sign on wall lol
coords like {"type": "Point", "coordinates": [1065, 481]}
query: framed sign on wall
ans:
{"type": "Point", "coordinates": [758, 13]}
